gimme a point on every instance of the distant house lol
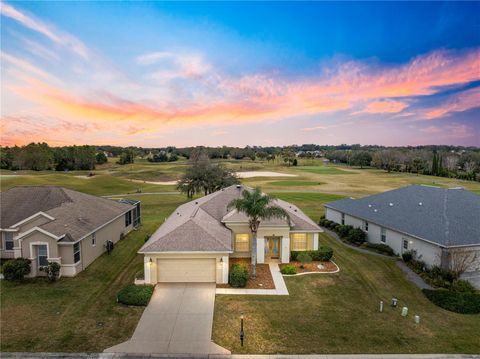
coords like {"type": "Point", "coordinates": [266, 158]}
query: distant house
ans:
{"type": "Point", "coordinates": [195, 243]}
{"type": "Point", "coordinates": [55, 224]}
{"type": "Point", "coordinates": [430, 221]}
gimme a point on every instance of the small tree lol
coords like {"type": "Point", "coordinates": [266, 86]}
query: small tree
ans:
{"type": "Point", "coordinates": [459, 260]}
{"type": "Point", "coordinates": [52, 270]}
{"type": "Point", "coordinates": [304, 258]}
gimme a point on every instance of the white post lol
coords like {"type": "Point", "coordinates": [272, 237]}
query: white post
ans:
{"type": "Point", "coordinates": [315, 241]}
{"type": "Point", "coordinates": [147, 269]}
{"type": "Point", "coordinates": [225, 269]}
{"type": "Point", "coordinates": [260, 250]}
{"type": "Point", "coordinates": [285, 250]}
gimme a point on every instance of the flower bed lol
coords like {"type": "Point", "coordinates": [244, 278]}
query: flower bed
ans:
{"type": "Point", "coordinates": [313, 266]}
{"type": "Point", "coordinates": [263, 280]}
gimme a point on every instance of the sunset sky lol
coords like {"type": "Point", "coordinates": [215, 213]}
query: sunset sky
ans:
{"type": "Point", "coordinates": [159, 74]}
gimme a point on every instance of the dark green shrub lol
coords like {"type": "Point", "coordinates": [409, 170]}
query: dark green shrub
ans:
{"type": "Point", "coordinates": [463, 286]}
{"type": "Point", "coordinates": [288, 269]}
{"type": "Point", "coordinates": [238, 276]}
{"type": "Point", "coordinates": [16, 269]}
{"type": "Point", "coordinates": [293, 255]}
{"type": "Point", "coordinates": [304, 258]}
{"type": "Point", "coordinates": [437, 272]}
{"type": "Point", "coordinates": [458, 302]}
{"type": "Point", "coordinates": [138, 295]}
{"type": "Point", "coordinates": [52, 270]}
{"type": "Point", "coordinates": [356, 235]}
{"type": "Point", "coordinates": [380, 248]}
{"type": "Point", "coordinates": [343, 230]}
{"type": "Point", "coordinates": [324, 254]}
{"type": "Point", "coordinates": [407, 256]}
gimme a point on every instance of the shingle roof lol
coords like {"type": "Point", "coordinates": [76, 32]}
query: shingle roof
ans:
{"type": "Point", "coordinates": [76, 214]}
{"type": "Point", "coordinates": [197, 225]}
{"type": "Point", "coordinates": [446, 216]}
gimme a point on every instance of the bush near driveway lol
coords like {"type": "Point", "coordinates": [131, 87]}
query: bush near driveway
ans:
{"type": "Point", "coordinates": [238, 276]}
{"type": "Point", "coordinates": [138, 295]}
{"type": "Point", "coordinates": [16, 269]}
{"type": "Point", "coordinates": [458, 302]}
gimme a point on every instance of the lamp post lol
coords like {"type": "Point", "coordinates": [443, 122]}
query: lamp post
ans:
{"type": "Point", "coordinates": [242, 333]}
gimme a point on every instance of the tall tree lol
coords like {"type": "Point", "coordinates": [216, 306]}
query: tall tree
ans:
{"type": "Point", "coordinates": [257, 207]}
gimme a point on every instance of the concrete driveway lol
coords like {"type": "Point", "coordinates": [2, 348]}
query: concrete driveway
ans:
{"type": "Point", "coordinates": [178, 320]}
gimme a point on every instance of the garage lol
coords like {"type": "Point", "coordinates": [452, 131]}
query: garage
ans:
{"type": "Point", "coordinates": [186, 270]}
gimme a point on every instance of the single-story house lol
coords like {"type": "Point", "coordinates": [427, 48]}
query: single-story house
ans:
{"type": "Point", "coordinates": [432, 222]}
{"type": "Point", "coordinates": [195, 242]}
{"type": "Point", "coordinates": [55, 224]}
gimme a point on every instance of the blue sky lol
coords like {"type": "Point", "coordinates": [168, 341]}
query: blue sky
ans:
{"type": "Point", "coordinates": [406, 71]}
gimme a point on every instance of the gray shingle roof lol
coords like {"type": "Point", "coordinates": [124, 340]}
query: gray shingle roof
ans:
{"type": "Point", "coordinates": [76, 214]}
{"type": "Point", "coordinates": [197, 225]}
{"type": "Point", "coordinates": [446, 216]}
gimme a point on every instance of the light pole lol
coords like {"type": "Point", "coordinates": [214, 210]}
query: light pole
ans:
{"type": "Point", "coordinates": [242, 333]}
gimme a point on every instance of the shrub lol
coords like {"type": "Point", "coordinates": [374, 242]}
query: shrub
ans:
{"type": "Point", "coordinates": [138, 295]}
{"type": "Point", "coordinates": [343, 230]}
{"type": "Point", "coordinates": [380, 248]}
{"type": "Point", "coordinates": [324, 254]}
{"type": "Point", "coordinates": [437, 272]}
{"type": "Point", "coordinates": [356, 235]}
{"type": "Point", "coordinates": [52, 270]}
{"type": "Point", "coordinates": [293, 255]}
{"type": "Point", "coordinates": [303, 258]}
{"type": "Point", "coordinates": [238, 276]}
{"type": "Point", "coordinates": [458, 302]}
{"type": "Point", "coordinates": [16, 269]}
{"type": "Point", "coordinates": [407, 256]}
{"type": "Point", "coordinates": [288, 269]}
{"type": "Point", "coordinates": [463, 286]}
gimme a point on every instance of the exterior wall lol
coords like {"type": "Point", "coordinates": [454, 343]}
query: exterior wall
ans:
{"type": "Point", "coordinates": [37, 238]}
{"type": "Point", "coordinates": [428, 252]}
{"type": "Point", "coordinates": [150, 267]}
{"type": "Point", "coordinates": [34, 222]}
{"type": "Point", "coordinates": [7, 254]}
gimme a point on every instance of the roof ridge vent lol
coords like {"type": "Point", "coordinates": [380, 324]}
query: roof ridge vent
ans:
{"type": "Point", "coordinates": [420, 203]}
{"type": "Point", "coordinates": [390, 204]}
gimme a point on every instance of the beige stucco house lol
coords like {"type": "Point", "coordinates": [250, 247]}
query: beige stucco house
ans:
{"type": "Point", "coordinates": [430, 221]}
{"type": "Point", "coordinates": [55, 224]}
{"type": "Point", "coordinates": [195, 243]}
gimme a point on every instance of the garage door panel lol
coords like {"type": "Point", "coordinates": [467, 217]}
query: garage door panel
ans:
{"type": "Point", "coordinates": [186, 270]}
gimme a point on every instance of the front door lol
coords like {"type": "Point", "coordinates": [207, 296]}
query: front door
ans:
{"type": "Point", "coordinates": [272, 247]}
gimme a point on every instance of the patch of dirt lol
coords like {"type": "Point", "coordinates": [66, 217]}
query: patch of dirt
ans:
{"type": "Point", "coordinates": [263, 280]}
{"type": "Point", "coordinates": [313, 266]}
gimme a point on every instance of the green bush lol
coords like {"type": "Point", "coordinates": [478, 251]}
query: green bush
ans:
{"type": "Point", "coordinates": [138, 295]}
{"type": "Point", "coordinates": [356, 235]}
{"type": "Point", "coordinates": [343, 230]}
{"type": "Point", "coordinates": [323, 254]}
{"type": "Point", "coordinates": [16, 269]}
{"type": "Point", "coordinates": [380, 248]}
{"type": "Point", "coordinates": [288, 269]}
{"type": "Point", "coordinates": [238, 276]}
{"type": "Point", "coordinates": [463, 286]}
{"type": "Point", "coordinates": [303, 258]}
{"type": "Point", "coordinates": [458, 302]}
{"type": "Point", "coordinates": [407, 256]}
{"type": "Point", "coordinates": [52, 270]}
{"type": "Point", "coordinates": [440, 273]}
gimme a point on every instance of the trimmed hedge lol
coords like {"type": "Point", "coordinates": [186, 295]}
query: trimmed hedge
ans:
{"type": "Point", "coordinates": [379, 248]}
{"type": "Point", "coordinates": [323, 254]}
{"type": "Point", "coordinates": [288, 269]}
{"type": "Point", "coordinates": [458, 302]}
{"type": "Point", "coordinates": [138, 295]}
{"type": "Point", "coordinates": [238, 276]}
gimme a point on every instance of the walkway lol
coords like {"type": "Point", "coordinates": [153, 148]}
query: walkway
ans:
{"type": "Point", "coordinates": [280, 287]}
{"type": "Point", "coordinates": [178, 320]}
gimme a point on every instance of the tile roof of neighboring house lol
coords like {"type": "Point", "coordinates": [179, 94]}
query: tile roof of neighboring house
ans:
{"type": "Point", "coordinates": [76, 214]}
{"type": "Point", "coordinates": [197, 225]}
{"type": "Point", "coordinates": [446, 216]}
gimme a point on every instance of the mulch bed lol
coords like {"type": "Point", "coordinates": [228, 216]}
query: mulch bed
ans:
{"type": "Point", "coordinates": [312, 267]}
{"type": "Point", "coordinates": [263, 280]}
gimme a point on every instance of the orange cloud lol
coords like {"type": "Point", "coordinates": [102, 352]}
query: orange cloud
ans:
{"type": "Point", "coordinates": [387, 106]}
{"type": "Point", "coordinates": [457, 103]}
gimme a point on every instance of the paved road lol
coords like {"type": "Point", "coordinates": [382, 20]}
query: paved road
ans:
{"type": "Point", "coordinates": [178, 319]}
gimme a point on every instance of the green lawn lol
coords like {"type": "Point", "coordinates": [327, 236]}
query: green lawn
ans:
{"type": "Point", "coordinates": [310, 203]}
{"type": "Point", "coordinates": [294, 183]}
{"type": "Point", "coordinates": [338, 313]}
{"type": "Point", "coordinates": [81, 314]}
{"type": "Point", "coordinates": [323, 170]}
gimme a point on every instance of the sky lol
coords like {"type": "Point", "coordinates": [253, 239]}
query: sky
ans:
{"type": "Point", "coordinates": [157, 74]}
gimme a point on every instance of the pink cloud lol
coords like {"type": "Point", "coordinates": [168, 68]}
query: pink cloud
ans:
{"type": "Point", "coordinates": [385, 106]}
{"type": "Point", "coordinates": [456, 103]}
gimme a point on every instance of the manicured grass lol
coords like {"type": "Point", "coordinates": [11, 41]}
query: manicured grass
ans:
{"type": "Point", "coordinates": [338, 313]}
{"type": "Point", "coordinates": [81, 314]}
{"type": "Point", "coordinates": [310, 202]}
{"type": "Point", "coordinates": [294, 183]}
{"type": "Point", "coordinates": [324, 170]}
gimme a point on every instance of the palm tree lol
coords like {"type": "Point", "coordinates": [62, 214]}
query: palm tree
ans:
{"type": "Point", "coordinates": [257, 207]}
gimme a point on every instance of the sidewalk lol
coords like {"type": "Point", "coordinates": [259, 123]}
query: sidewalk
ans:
{"type": "Point", "coordinates": [280, 287]}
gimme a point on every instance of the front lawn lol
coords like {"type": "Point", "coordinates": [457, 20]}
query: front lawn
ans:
{"type": "Point", "coordinates": [81, 314]}
{"type": "Point", "coordinates": [338, 313]}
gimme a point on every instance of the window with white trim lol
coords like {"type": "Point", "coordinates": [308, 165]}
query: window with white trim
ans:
{"type": "Point", "coordinates": [128, 218]}
{"type": "Point", "coordinates": [8, 240]}
{"type": "Point", "coordinates": [365, 226]}
{"type": "Point", "coordinates": [343, 218]}
{"type": "Point", "coordinates": [42, 255]}
{"type": "Point", "coordinates": [94, 239]}
{"type": "Point", "coordinates": [383, 235]}
{"type": "Point", "coordinates": [405, 244]}
{"type": "Point", "coordinates": [76, 252]}
{"type": "Point", "coordinates": [242, 242]}
{"type": "Point", "coordinates": [299, 241]}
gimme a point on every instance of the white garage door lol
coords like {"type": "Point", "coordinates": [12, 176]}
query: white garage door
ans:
{"type": "Point", "coordinates": [186, 270]}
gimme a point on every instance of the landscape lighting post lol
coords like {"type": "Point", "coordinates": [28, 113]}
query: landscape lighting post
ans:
{"type": "Point", "coordinates": [242, 333]}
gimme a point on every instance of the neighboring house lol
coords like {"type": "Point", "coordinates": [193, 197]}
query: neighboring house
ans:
{"type": "Point", "coordinates": [55, 224]}
{"type": "Point", "coordinates": [195, 243]}
{"type": "Point", "coordinates": [430, 221]}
